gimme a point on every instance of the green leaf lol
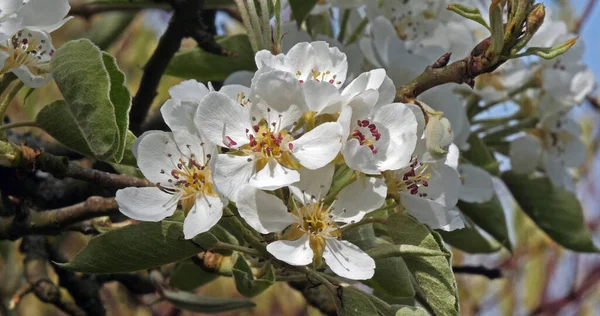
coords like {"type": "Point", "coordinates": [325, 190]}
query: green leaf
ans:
{"type": "Point", "coordinates": [188, 276]}
{"type": "Point", "coordinates": [244, 279]}
{"type": "Point", "coordinates": [481, 155]}
{"type": "Point", "coordinates": [392, 277]}
{"type": "Point", "coordinates": [355, 303]}
{"type": "Point", "coordinates": [301, 9]}
{"type": "Point", "coordinates": [94, 116]}
{"type": "Point", "coordinates": [469, 240]}
{"type": "Point", "coordinates": [490, 217]}
{"type": "Point", "coordinates": [391, 250]}
{"type": "Point", "coordinates": [203, 66]}
{"type": "Point", "coordinates": [555, 210]}
{"type": "Point", "coordinates": [137, 247]}
{"type": "Point", "coordinates": [433, 275]}
{"type": "Point", "coordinates": [411, 311]}
{"type": "Point", "coordinates": [128, 157]}
{"type": "Point", "coordinates": [204, 304]}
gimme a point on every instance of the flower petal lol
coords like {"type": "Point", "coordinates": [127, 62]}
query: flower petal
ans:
{"type": "Point", "coordinates": [322, 97]}
{"type": "Point", "coordinates": [274, 176]}
{"type": "Point", "coordinates": [146, 204]}
{"type": "Point", "coordinates": [231, 173]}
{"type": "Point", "coordinates": [188, 90]}
{"type": "Point", "coordinates": [359, 198]}
{"type": "Point", "coordinates": [313, 182]}
{"type": "Point", "coordinates": [426, 211]}
{"type": "Point", "coordinates": [525, 153]}
{"type": "Point", "coordinates": [399, 123]}
{"type": "Point", "coordinates": [277, 90]}
{"type": "Point", "coordinates": [205, 214]}
{"type": "Point", "coordinates": [359, 157]}
{"type": "Point", "coordinates": [295, 252]}
{"type": "Point", "coordinates": [347, 260]}
{"type": "Point", "coordinates": [264, 212]}
{"type": "Point", "coordinates": [318, 147]}
{"type": "Point", "coordinates": [477, 185]}
{"type": "Point", "coordinates": [179, 115]}
{"type": "Point", "coordinates": [366, 81]}
{"type": "Point", "coordinates": [223, 120]}
{"type": "Point", "coordinates": [153, 150]}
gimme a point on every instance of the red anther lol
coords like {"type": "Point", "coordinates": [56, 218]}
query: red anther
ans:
{"type": "Point", "coordinates": [372, 126]}
{"type": "Point", "coordinates": [291, 146]}
{"type": "Point", "coordinates": [356, 133]}
{"type": "Point", "coordinates": [377, 136]}
{"type": "Point", "coordinates": [24, 41]}
{"type": "Point", "coordinates": [365, 122]}
{"type": "Point", "coordinates": [410, 173]}
{"type": "Point", "coordinates": [231, 141]}
{"type": "Point", "coordinates": [256, 128]}
{"type": "Point", "coordinates": [174, 174]}
{"type": "Point", "coordinates": [414, 191]}
{"type": "Point", "coordinates": [301, 81]}
{"type": "Point", "coordinates": [196, 164]}
{"type": "Point", "coordinates": [374, 151]}
{"type": "Point", "coordinates": [179, 166]}
{"type": "Point", "coordinates": [359, 123]}
{"type": "Point", "coordinates": [425, 183]}
{"type": "Point", "coordinates": [331, 81]}
{"type": "Point", "coordinates": [255, 150]}
{"type": "Point", "coordinates": [51, 52]}
{"type": "Point", "coordinates": [270, 149]}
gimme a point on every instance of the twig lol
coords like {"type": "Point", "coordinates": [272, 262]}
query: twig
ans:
{"type": "Point", "coordinates": [478, 270]}
{"type": "Point", "coordinates": [35, 249]}
{"type": "Point", "coordinates": [53, 221]}
{"type": "Point", "coordinates": [28, 159]}
{"type": "Point", "coordinates": [585, 15]}
{"type": "Point", "coordinates": [185, 22]}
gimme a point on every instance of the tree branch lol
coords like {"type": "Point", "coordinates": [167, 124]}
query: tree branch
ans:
{"type": "Point", "coordinates": [478, 270]}
{"type": "Point", "coordinates": [53, 221]}
{"type": "Point", "coordinates": [585, 15]}
{"type": "Point", "coordinates": [29, 159]}
{"type": "Point", "coordinates": [186, 22]}
{"type": "Point", "coordinates": [461, 71]}
{"type": "Point", "coordinates": [35, 249]}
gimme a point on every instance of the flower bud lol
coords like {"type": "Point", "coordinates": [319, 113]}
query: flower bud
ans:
{"type": "Point", "coordinates": [497, 28]}
{"type": "Point", "coordinates": [534, 21]}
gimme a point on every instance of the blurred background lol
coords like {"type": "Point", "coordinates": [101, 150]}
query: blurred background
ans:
{"type": "Point", "coordinates": [538, 277]}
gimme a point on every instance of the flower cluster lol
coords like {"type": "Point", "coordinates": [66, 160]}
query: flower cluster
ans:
{"type": "Point", "coordinates": [25, 43]}
{"type": "Point", "coordinates": [272, 149]}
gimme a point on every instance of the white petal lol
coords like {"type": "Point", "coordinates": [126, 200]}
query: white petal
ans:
{"type": "Point", "coordinates": [29, 79]}
{"type": "Point", "coordinates": [242, 77]}
{"type": "Point", "coordinates": [205, 214]}
{"type": "Point", "coordinates": [235, 91]}
{"type": "Point", "coordinates": [575, 153]}
{"type": "Point", "coordinates": [313, 182]}
{"type": "Point", "coordinates": [179, 115]}
{"type": "Point", "coordinates": [453, 156]}
{"type": "Point", "coordinates": [43, 15]}
{"type": "Point", "coordinates": [322, 97]}
{"type": "Point", "coordinates": [189, 90]}
{"type": "Point", "coordinates": [525, 154]}
{"type": "Point", "coordinates": [264, 212]}
{"type": "Point", "coordinates": [359, 198]}
{"type": "Point", "coordinates": [399, 123]}
{"type": "Point", "coordinates": [146, 204]}
{"type": "Point", "coordinates": [277, 90]}
{"type": "Point", "coordinates": [274, 176]}
{"type": "Point", "coordinates": [359, 157]}
{"type": "Point", "coordinates": [477, 185]}
{"type": "Point", "coordinates": [557, 172]}
{"type": "Point", "coordinates": [295, 252]}
{"type": "Point", "coordinates": [300, 59]}
{"type": "Point", "coordinates": [318, 147]}
{"type": "Point", "coordinates": [231, 173]}
{"type": "Point", "coordinates": [457, 221]}
{"type": "Point", "coordinates": [426, 211]}
{"type": "Point", "coordinates": [367, 80]}
{"type": "Point", "coordinates": [347, 260]}
{"type": "Point", "coordinates": [221, 120]}
{"type": "Point", "coordinates": [330, 59]}
{"type": "Point", "coordinates": [153, 150]}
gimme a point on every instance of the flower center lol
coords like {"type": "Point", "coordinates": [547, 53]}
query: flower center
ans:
{"type": "Point", "coordinates": [367, 134]}
{"type": "Point", "coordinates": [23, 49]}
{"type": "Point", "coordinates": [188, 179]}
{"type": "Point", "coordinates": [320, 76]}
{"type": "Point", "coordinates": [415, 177]}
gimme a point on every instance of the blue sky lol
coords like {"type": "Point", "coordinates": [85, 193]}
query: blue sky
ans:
{"type": "Point", "coordinates": [591, 36]}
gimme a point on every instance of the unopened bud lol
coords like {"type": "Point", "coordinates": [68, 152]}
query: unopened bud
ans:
{"type": "Point", "coordinates": [439, 136]}
{"type": "Point", "coordinates": [497, 28]}
{"type": "Point", "coordinates": [534, 21]}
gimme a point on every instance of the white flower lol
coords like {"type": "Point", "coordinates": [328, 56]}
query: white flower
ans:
{"type": "Point", "coordinates": [182, 173]}
{"type": "Point", "coordinates": [27, 54]}
{"type": "Point", "coordinates": [311, 228]}
{"type": "Point", "coordinates": [25, 45]}
{"type": "Point", "coordinates": [262, 150]}
{"type": "Point", "coordinates": [554, 146]}
{"type": "Point", "coordinates": [308, 61]}
{"type": "Point", "coordinates": [382, 140]}
{"type": "Point", "coordinates": [476, 184]}
{"type": "Point", "coordinates": [35, 15]}
{"type": "Point", "coordinates": [428, 188]}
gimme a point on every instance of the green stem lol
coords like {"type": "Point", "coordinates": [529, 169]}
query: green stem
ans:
{"type": "Point", "coordinates": [358, 31]}
{"type": "Point", "coordinates": [531, 83]}
{"type": "Point", "coordinates": [248, 236]}
{"type": "Point", "coordinates": [344, 25]}
{"type": "Point", "coordinates": [12, 92]}
{"type": "Point", "coordinates": [246, 250]}
{"type": "Point", "coordinates": [365, 221]}
{"type": "Point", "coordinates": [18, 124]}
{"type": "Point", "coordinates": [498, 135]}
{"type": "Point", "coordinates": [6, 80]}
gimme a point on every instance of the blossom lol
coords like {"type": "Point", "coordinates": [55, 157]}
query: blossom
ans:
{"type": "Point", "coordinates": [263, 149]}
{"type": "Point", "coordinates": [553, 146]}
{"type": "Point", "coordinates": [382, 140]}
{"type": "Point", "coordinates": [181, 170]}
{"type": "Point", "coordinates": [311, 227]}
{"type": "Point", "coordinates": [181, 165]}
{"type": "Point", "coordinates": [476, 184]}
{"type": "Point", "coordinates": [25, 45]}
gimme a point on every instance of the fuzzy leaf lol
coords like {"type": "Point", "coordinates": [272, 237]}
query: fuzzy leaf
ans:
{"type": "Point", "coordinates": [490, 217]}
{"type": "Point", "coordinates": [245, 282]}
{"type": "Point", "coordinates": [204, 304]}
